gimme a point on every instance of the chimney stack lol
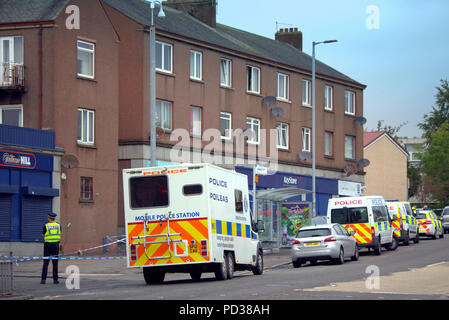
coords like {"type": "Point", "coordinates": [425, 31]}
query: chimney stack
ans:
{"type": "Point", "coordinates": [203, 10]}
{"type": "Point", "coordinates": [290, 35]}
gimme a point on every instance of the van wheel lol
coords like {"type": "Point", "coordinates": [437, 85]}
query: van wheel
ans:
{"type": "Point", "coordinates": [394, 244]}
{"type": "Point", "coordinates": [378, 248]}
{"type": "Point", "coordinates": [407, 239]}
{"type": "Point", "coordinates": [230, 261]}
{"type": "Point", "coordinates": [258, 269]}
{"type": "Point", "coordinates": [195, 275]}
{"type": "Point", "coordinates": [221, 272]}
{"type": "Point", "coordinates": [416, 240]}
{"type": "Point", "coordinates": [152, 276]}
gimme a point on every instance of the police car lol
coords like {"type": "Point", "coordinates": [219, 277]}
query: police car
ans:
{"type": "Point", "coordinates": [429, 224]}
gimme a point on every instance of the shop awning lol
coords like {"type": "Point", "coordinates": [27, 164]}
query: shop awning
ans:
{"type": "Point", "coordinates": [280, 194]}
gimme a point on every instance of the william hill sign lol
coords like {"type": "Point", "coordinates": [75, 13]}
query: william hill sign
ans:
{"type": "Point", "coordinates": [17, 159]}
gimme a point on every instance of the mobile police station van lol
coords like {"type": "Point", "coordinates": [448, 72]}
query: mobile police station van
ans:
{"type": "Point", "coordinates": [368, 216]}
{"type": "Point", "coordinates": [191, 218]}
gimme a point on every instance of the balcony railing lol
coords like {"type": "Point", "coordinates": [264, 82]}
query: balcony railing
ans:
{"type": "Point", "coordinates": [11, 76]}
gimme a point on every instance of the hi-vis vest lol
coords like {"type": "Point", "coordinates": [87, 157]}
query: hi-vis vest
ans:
{"type": "Point", "coordinates": [53, 233]}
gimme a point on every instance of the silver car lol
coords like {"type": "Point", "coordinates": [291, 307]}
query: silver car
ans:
{"type": "Point", "coordinates": [445, 219]}
{"type": "Point", "coordinates": [323, 242]}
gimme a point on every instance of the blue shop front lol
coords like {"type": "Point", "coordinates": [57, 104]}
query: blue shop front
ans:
{"type": "Point", "coordinates": [26, 184]}
{"type": "Point", "coordinates": [284, 216]}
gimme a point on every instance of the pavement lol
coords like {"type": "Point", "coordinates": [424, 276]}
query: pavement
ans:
{"type": "Point", "coordinates": [27, 274]}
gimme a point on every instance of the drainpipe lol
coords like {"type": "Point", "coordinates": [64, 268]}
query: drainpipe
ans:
{"type": "Point", "coordinates": [40, 79]}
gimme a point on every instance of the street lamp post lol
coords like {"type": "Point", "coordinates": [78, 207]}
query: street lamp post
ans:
{"type": "Point", "coordinates": [314, 128]}
{"type": "Point", "coordinates": [153, 81]}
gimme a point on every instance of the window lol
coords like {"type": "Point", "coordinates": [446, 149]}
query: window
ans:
{"type": "Point", "coordinates": [86, 126]}
{"type": "Point", "coordinates": [349, 102]}
{"type": "Point", "coordinates": [254, 125]}
{"type": "Point", "coordinates": [328, 143]}
{"type": "Point", "coordinates": [86, 59]}
{"type": "Point", "coordinates": [328, 98]}
{"type": "Point", "coordinates": [225, 125]}
{"type": "Point", "coordinates": [163, 114]}
{"type": "Point", "coordinates": [11, 55]}
{"type": "Point", "coordinates": [195, 121]}
{"type": "Point", "coordinates": [253, 79]}
{"type": "Point", "coordinates": [306, 94]}
{"type": "Point", "coordinates": [11, 115]}
{"type": "Point", "coordinates": [380, 213]}
{"type": "Point", "coordinates": [283, 83]}
{"type": "Point", "coordinates": [148, 192]}
{"type": "Point", "coordinates": [225, 72]}
{"type": "Point", "coordinates": [196, 65]}
{"type": "Point", "coordinates": [238, 195]}
{"type": "Point", "coordinates": [349, 215]}
{"type": "Point", "coordinates": [306, 139]}
{"type": "Point", "coordinates": [309, 233]}
{"type": "Point", "coordinates": [86, 193]}
{"type": "Point", "coordinates": [192, 189]}
{"type": "Point", "coordinates": [349, 147]}
{"type": "Point", "coordinates": [164, 57]}
{"type": "Point", "coordinates": [282, 135]}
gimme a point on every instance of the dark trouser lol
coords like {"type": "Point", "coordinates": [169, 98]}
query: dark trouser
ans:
{"type": "Point", "coordinates": [50, 249]}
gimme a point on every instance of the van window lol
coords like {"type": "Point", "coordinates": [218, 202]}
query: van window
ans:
{"type": "Point", "coordinates": [192, 189]}
{"type": "Point", "coordinates": [238, 200]}
{"type": "Point", "coordinates": [380, 213]}
{"type": "Point", "coordinates": [408, 209]}
{"type": "Point", "coordinates": [349, 215]}
{"type": "Point", "coordinates": [148, 192]}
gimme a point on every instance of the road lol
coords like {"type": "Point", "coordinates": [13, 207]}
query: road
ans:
{"type": "Point", "coordinates": [418, 271]}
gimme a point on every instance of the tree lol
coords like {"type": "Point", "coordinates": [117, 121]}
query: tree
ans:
{"type": "Point", "coordinates": [439, 114]}
{"type": "Point", "coordinates": [435, 163]}
{"type": "Point", "coordinates": [391, 130]}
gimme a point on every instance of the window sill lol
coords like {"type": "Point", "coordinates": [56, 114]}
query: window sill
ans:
{"type": "Point", "coordinates": [81, 77]}
{"type": "Point", "coordinates": [329, 110]}
{"type": "Point", "coordinates": [257, 94]}
{"type": "Point", "coordinates": [284, 149]}
{"type": "Point", "coordinates": [283, 100]}
{"type": "Point", "coordinates": [86, 145]}
{"type": "Point", "coordinates": [350, 160]}
{"type": "Point", "coordinates": [350, 114]}
{"type": "Point", "coordinates": [196, 80]}
{"type": "Point", "coordinates": [165, 73]}
{"type": "Point", "coordinates": [329, 157]}
{"type": "Point", "coordinates": [226, 87]}
{"type": "Point", "coordinates": [86, 201]}
{"type": "Point", "coordinates": [307, 106]}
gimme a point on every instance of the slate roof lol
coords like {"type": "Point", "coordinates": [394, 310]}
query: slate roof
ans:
{"type": "Point", "coordinates": [16, 11]}
{"type": "Point", "coordinates": [180, 23]}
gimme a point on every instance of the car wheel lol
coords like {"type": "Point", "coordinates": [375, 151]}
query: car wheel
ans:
{"type": "Point", "coordinates": [221, 272]}
{"type": "Point", "coordinates": [355, 257]}
{"type": "Point", "coordinates": [258, 269]}
{"type": "Point", "coordinates": [341, 257]}
{"type": "Point", "coordinates": [435, 234]}
{"type": "Point", "coordinates": [297, 263]}
{"type": "Point", "coordinates": [442, 234]}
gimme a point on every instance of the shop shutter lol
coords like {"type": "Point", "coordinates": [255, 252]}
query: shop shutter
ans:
{"type": "Point", "coordinates": [5, 217]}
{"type": "Point", "coordinates": [34, 215]}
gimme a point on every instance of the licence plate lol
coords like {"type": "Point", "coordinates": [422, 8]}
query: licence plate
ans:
{"type": "Point", "coordinates": [193, 248]}
{"type": "Point", "coordinates": [311, 244]}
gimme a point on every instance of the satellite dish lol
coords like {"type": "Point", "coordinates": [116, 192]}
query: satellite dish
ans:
{"type": "Point", "coordinates": [277, 111]}
{"type": "Point", "coordinates": [363, 163]}
{"type": "Point", "coordinates": [69, 161]}
{"type": "Point", "coordinates": [360, 121]}
{"type": "Point", "coordinates": [305, 155]}
{"type": "Point", "coordinates": [269, 100]}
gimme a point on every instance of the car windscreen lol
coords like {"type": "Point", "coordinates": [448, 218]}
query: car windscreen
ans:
{"type": "Point", "coordinates": [420, 215]}
{"type": "Point", "coordinates": [148, 192]}
{"type": "Point", "coordinates": [349, 215]}
{"type": "Point", "coordinates": [322, 232]}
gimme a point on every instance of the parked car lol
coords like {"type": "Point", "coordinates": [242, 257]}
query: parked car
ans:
{"type": "Point", "coordinates": [323, 242]}
{"type": "Point", "coordinates": [445, 219]}
{"type": "Point", "coordinates": [429, 224]}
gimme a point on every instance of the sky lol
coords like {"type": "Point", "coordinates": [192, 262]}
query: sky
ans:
{"type": "Point", "coordinates": [398, 48]}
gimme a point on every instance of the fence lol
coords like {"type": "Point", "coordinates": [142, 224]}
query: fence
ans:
{"type": "Point", "coordinates": [6, 275]}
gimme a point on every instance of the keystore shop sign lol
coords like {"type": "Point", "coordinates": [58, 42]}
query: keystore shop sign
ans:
{"type": "Point", "coordinates": [17, 159]}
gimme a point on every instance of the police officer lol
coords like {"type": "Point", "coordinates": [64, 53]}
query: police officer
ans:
{"type": "Point", "coordinates": [52, 237]}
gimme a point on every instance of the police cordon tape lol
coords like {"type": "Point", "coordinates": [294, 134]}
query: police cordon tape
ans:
{"type": "Point", "coordinates": [16, 259]}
